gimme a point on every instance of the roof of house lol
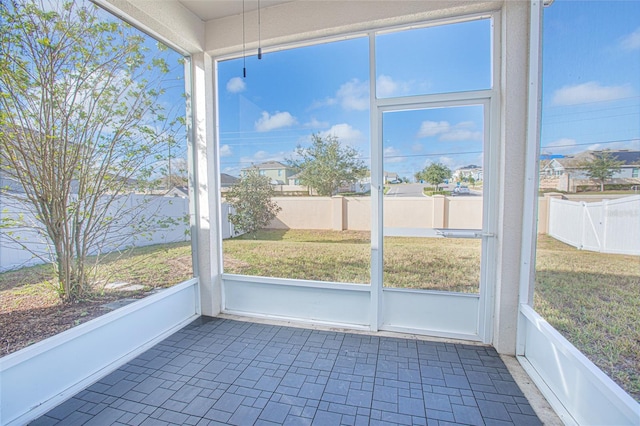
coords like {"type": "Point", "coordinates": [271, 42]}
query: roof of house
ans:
{"type": "Point", "coordinates": [470, 167]}
{"type": "Point", "coordinates": [226, 179]}
{"type": "Point", "coordinates": [182, 191]}
{"type": "Point", "coordinates": [574, 161]}
{"type": "Point", "coordinates": [628, 158]}
{"type": "Point", "coordinates": [268, 165]}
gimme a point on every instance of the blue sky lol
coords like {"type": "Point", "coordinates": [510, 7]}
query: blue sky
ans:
{"type": "Point", "coordinates": [591, 91]}
{"type": "Point", "coordinates": [591, 76]}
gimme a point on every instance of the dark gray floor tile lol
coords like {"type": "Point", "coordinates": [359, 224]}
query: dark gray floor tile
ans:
{"type": "Point", "coordinates": [199, 406]}
{"type": "Point", "coordinates": [525, 420]}
{"type": "Point", "coordinates": [395, 418]}
{"type": "Point", "coordinates": [311, 391]}
{"type": "Point", "coordinates": [411, 406]}
{"type": "Point", "coordinates": [66, 408]}
{"type": "Point", "coordinates": [244, 416]}
{"type": "Point", "coordinates": [275, 412]}
{"type": "Point", "coordinates": [107, 416]}
{"type": "Point", "coordinates": [325, 418]}
{"type": "Point", "coordinates": [467, 415]}
{"type": "Point", "coordinates": [157, 397]}
{"type": "Point", "coordinates": [493, 410]}
{"type": "Point", "coordinates": [228, 402]}
{"type": "Point", "coordinates": [218, 371]}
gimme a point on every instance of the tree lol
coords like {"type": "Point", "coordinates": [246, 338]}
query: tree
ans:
{"type": "Point", "coordinates": [81, 124]}
{"type": "Point", "coordinates": [601, 167]}
{"type": "Point", "coordinates": [251, 201]}
{"type": "Point", "coordinates": [326, 165]}
{"type": "Point", "coordinates": [435, 174]}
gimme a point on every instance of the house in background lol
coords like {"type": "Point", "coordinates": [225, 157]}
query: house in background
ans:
{"type": "Point", "coordinates": [391, 176]}
{"type": "Point", "coordinates": [567, 173]}
{"type": "Point", "coordinates": [227, 181]}
{"type": "Point", "coordinates": [275, 170]}
{"type": "Point", "coordinates": [294, 179]}
{"type": "Point", "coordinates": [467, 172]}
{"type": "Point", "coordinates": [178, 191]}
{"type": "Point", "coordinates": [630, 167]}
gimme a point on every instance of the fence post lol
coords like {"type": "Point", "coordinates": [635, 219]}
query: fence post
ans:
{"type": "Point", "coordinates": [605, 223]}
{"type": "Point", "coordinates": [439, 210]}
{"type": "Point", "coordinates": [583, 219]}
{"type": "Point", "coordinates": [546, 215]}
{"type": "Point", "coordinates": [337, 212]}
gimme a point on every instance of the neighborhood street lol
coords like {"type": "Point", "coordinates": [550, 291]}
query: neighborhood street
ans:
{"type": "Point", "coordinates": [415, 190]}
{"type": "Point", "coordinates": [405, 190]}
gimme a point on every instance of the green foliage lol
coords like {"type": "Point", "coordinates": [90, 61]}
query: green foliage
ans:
{"type": "Point", "coordinates": [326, 165]}
{"type": "Point", "coordinates": [435, 174]}
{"type": "Point", "coordinates": [81, 122]}
{"type": "Point", "coordinates": [251, 201]}
{"type": "Point", "coordinates": [601, 167]}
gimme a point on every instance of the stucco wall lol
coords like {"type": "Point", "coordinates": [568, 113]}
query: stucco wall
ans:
{"type": "Point", "coordinates": [354, 213]}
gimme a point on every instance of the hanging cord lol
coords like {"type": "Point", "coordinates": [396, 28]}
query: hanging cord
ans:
{"type": "Point", "coordinates": [244, 56]}
{"type": "Point", "coordinates": [259, 31]}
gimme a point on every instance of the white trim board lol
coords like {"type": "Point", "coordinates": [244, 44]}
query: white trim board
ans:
{"type": "Point", "coordinates": [39, 377]}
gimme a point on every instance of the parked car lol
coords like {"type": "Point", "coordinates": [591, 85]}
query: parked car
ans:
{"type": "Point", "coordinates": [461, 190]}
{"type": "Point", "coordinates": [395, 181]}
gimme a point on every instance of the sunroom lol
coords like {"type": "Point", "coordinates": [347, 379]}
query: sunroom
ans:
{"type": "Point", "coordinates": [486, 113]}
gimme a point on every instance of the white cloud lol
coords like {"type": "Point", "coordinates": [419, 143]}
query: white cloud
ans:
{"type": "Point", "coordinates": [560, 146]}
{"type": "Point", "coordinates": [462, 131]}
{"type": "Point", "coordinates": [590, 92]}
{"type": "Point", "coordinates": [316, 124]}
{"type": "Point", "coordinates": [458, 134]}
{"type": "Point", "coordinates": [568, 146]}
{"type": "Point", "coordinates": [225, 151]}
{"type": "Point", "coordinates": [393, 155]}
{"type": "Point", "coordinates": [262, 157]}
{"type": "Point", "coordinates": [433, 128]}
{"type": "Point", "coordinates": [278, 120]}
{"type": "Point", "coordinates": [632, 145]}
{"type": "Point", "coordinates": [345, 134]}
{"type": "Point", "coordinates": [447, 161]}
{"type": "Point", "coordinates": [354, 95]}
{"type": "Point", "coordinates": [416, 147]}
{"type": "Point", "coordinates": [323, 103]}
{"type": "Point", "coordinates": [386, 87]}
{"type": "Point", "coordinates": [236, 85]}
{"type": "Point", "coordinates": [631, 41]}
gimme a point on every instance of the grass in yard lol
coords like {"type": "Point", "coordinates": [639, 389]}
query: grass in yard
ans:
{"type": "Point", "coordinates": [156, 266]}
{"type": "Point", "coordinates": [334, 256]}
{"type": "Point", "coordinates": [30, 309]}
{"type": "Point", "coordinates": [301, 254]}
{"type": "Point", "coordinates": [593, 299]}
{"type": "Point", "coordinates": [432, 264]}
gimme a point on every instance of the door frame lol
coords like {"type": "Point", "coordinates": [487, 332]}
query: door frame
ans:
{"type": "Point", "coordinates": [490, 98]}
{"type": "Point", "coordinates": [386, 300]}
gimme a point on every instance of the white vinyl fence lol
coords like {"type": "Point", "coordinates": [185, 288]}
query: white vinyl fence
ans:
{"type": "Point", "coordinates": [141, 220]}
{"type": "Point", "coordinates": [609, 226]}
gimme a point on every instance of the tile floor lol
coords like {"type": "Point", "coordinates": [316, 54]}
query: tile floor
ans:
{"type": "Point", "coordinates": [220, 371]}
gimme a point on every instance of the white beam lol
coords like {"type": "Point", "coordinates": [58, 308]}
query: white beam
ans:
{"type": "Point", "coordinates": [167, 21]}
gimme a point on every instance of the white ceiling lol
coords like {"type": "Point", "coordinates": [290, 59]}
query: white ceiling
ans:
{"type": "Point", "coordinates": [208, 10]}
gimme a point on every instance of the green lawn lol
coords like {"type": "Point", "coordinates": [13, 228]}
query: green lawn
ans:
{"type": "Point", "coordinates": [453, 264]}
{"type": "Point", "coordinates": [593, 299]}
